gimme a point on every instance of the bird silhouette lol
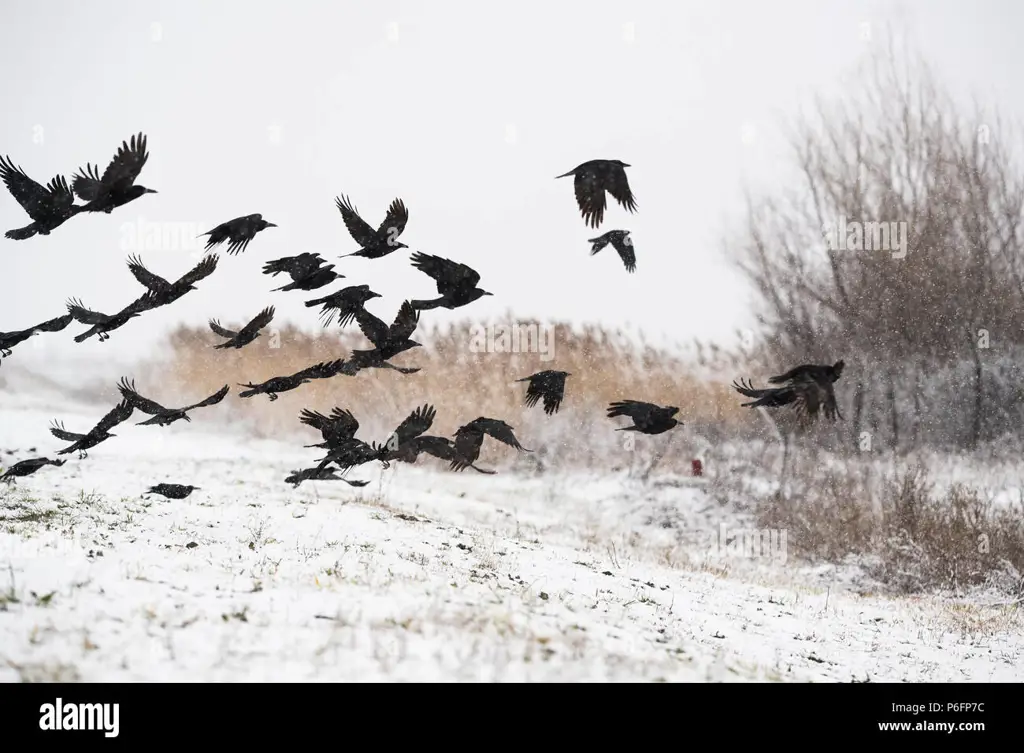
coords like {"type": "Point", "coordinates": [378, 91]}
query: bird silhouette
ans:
{"type": "Point", "coordinates": [99, 433]}
{"type": "Point", "coordinates": [48, 207]}
{"type": "Point", "coordinates": [388, 341]}
{"type": "Point", "coordinates": [647, 417]}
{"type": "Point", "coordinates": [320, 474]}
{"type": "Point", "coordinates": [373, 244]}
{"type": "Point", "coordinates": [306, 270]}
{"type": "Point", "coordinates": [164, 292]}
{"type": "Point", "coordinates": [104, 324]}
{"type": "Point", "coordinates": [27, 468]}
{"type": "Point", "coordinates": [344, 303]}
{"type": "Point", "coordinates": [621, 242]}
{"type": "Point", "coordinates": [162, 416]}
{"type": "Point", "coordinates": [807, 388]}
{"type": "Point", "coordinates": [238, 232]}
{"type": "Point", "coordinates": [172, 491]}
{"type": "Point", "coordinates": [591, 181]}
{"type": "Point", "coordinates": [246, 334]}
{"type": "Point", "coordinates": [9, 339]}
{"type": "Point", "coordinates": [117, 185]}
{"type": "Point", "coordinates": [273, 386]}
{"type": "Point", "coordinates": [470, 438]}
{"type": "Point", "coordinates": [456, 282]}
{"type": "Point", "coordinates": [549, 385]}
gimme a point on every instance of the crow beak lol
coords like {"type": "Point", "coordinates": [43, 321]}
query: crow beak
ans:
{"type": "Point", "coordinates": [151, 190]}
{"type": "Point", "coordinates": [486, 293]}
{"type": "Point", "coordinates": [271, 224]}
{"type": "Point", "coordinates": [625, 165]}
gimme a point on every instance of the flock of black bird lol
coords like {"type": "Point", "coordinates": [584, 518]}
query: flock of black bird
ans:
{"type": "Point", "coordinates": [808, 388]}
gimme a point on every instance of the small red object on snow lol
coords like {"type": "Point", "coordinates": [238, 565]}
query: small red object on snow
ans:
{"type": "Point", "coordinates": [697, 468]}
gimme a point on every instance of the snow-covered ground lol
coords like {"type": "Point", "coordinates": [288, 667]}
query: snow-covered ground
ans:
{"type": "Point", "coordinates": [422, 575]}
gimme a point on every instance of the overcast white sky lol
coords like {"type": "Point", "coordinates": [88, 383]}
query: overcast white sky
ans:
{"type": "Point", "coordinates": [466, 110]}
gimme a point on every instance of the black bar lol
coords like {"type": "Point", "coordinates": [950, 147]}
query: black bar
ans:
{"type": "Point", "coordinates": [541, 714]}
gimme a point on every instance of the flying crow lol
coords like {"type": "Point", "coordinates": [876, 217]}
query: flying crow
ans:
{"type": "Point", "coordinates": [549, 385]}
{"type": "Point", "coordinates": [808, 388]}
{"type": "Point", "coordinates": [320, 474]}
{"type": "Point", "coordinates": [306, 270]}
{"type": "Point", "coordinates": [237, 232]}
{"type": "Point", "coordinates": [373, 244]}
{"type": "Point", "coordinates": [165, 292]}
{"type": "Point", "coordinates": [592, 179]}
{"type": "Point", "coordinates": [48, 207]}
{"type": "Point", "coordinates": [455, 282]}
{"type": "Point", "coordinates": [345, 303]}
{"type": "Point", "coordinates": [172, 491]}
{"type": "Point", "coordinates": [470, 438]}
{"type": "Point", "coordinates": [103, 324]}
{"type": "Point", "coordinates": [272, 386]}
{"type": "Point", "coordinates": [99, 433]}
{"type": "Point", "coordinates": [621, 242]}
{"type": "Point", "coordinates": [9, 339]}
{"type": "Point", "coordinates": [117, 186]}
{"type": "Point", "coordinates": [162, 416]}
{"type": "Point", "coordinates": [27, 468]}
{"type": "Point", "coordinates": [246, 334]}
{"type": "Point", "coordinates": [388, 341]}
{"type": "Point", "coordinates": [647, 418]}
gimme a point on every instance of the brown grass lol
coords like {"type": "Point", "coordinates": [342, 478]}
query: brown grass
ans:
{"type": "Point", "coordinates": [908, 535]}
{"type": "Point", "coordinates": [463, 384]}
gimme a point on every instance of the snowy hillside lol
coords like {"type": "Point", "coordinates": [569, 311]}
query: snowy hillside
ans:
{"type": "Point", "coordinates": [421, 575]}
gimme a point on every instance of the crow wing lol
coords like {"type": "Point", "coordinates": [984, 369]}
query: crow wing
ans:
{"type": "Point", "coordinates": [323, 370]}
{"type": "Point", "coordinates": [86, 183]}
{"type": "Point", "coordinates": [119, 414]}
{"type": "Point", "coordinates": [618, 187]}
{"type": "Point", "coordinates": [499, 430]}
{"type": "Point", "coordinates": [133, 398]}
{"type": "Point", "coordinates": [624, 246]}
{"type": "Point", "coordinates": [360, 231]}
{"type": "Point", "coordinates": [60, 432]}
{"type": "Point", "coordinates": [38, 202]}
{"type": "Point", "coordinates": [54, 325]}
{"type": "Point", "coordinates": [213, 399]}
{"type": "Point", "coordinates": [448, 275]}
{"type": "Point", "coordinates": [200, 271]}
{"type": "Point", "coordinates": [405, 323]}
{"type": "Point", "coordinates": [395, 220]}
{"type": "Point", "coordinates": [215, 326]}
{"type": "Point", "coordinates": [639, 411]}
{"type": "Point", "coordinates": [260, 321]}
{"type": "Point", "coordinates": [126, 165]}
{"type": "Point", "coordinates": [590, 197]}
{"type": "Point", "coordinates": [414, 424]}
{"type": "Point", "coordinates": [145, 277]}
{"type": "Point", "coordinates": [375, 329]}
{"type": "Point", "coordinates": [81, 314]}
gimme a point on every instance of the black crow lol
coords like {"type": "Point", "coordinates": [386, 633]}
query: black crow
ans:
{"type": "Point", "coordinates": [592, 179]}
{"type": "Point", "coordinates": [413, 426]}
{"type": "Point", "coordinates": [621, 242]}
{"type": "Point", "coordinates": [455, 282]}
{"type": "Point", "coordinates": [117, 186]}
{"type": "Point", "coordinates": [162, 416]}
{"type": "Point", "coordinates": [103, 324]}
{"type": "Point", "coordinates": [165, 292]}
{"type": "Point", "coordinates": [438, 447]}
{"type": "Point", "coordinates": [808, 388]}
{"type": "Point", "coordinates": [336, 429]}
{"type": "Point", "coordinates": [549, 385]}
{"type": "Point", "coordinates": [272, 386]}
{"type": "Point", "coordinates": [246, 334]}
{"type": "Point", "coordinates": [373, 244]}
{"type": "Point", "coordinates": [172, 491]}
{"type": "Point", "coordinates": [345, 303]}
{"type": "Point", "coordinates": [48, 207]}
{"type": "Point", "coordinates": [237, 232]}
{"type": "Point", "coordinates": [27, 468]}
{"type": "Point", "coordinates": [470, 438]}
{"type": "Point", "coordinates": [9, 339]}
{"type": "Point", "coordinates": [320, 474]}
{"type": "Point", "coordinates": [647, 418]}
{"type": "Point", "coordinates": [388, 341]}
{"type": "Point", "coordinates": [306, 270]}
{"type": "Point", "coordinates": [99, 433]}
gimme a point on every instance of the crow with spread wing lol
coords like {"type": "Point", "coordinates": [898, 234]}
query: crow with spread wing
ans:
{"type": "Point", "coordinates": [246, 334]}
{"type": "Point", "coordinates": [238, 232]}
{"type": "Point", "coordinates": [647, 417]}
{"type": "Point", "coordinates": [621, 242]}
{"type": "Point", "coordinates": [388, 341]}
{"type": "Point", "coordinates": [456, 283]}
{"type": "Point", "coordinates": [104, 324]}
{"type": "Point", "coordinates": [373, 244]}
{"type": "Point", "coordinates": [273, 386]}
{"type": "Point", "coordinates": [592, 179]}
{"type": "Point", "coordinates": [9, 339]}
{"type": "Point", "coordinates": [164, 292]}
{"type": "Point", "coordinates": [307, 271]}
{"type": "Point", "coordinates": [549, 385]}
{"type": "Point", "coordinates": [99, 433]}
{"type": "Point", "coordinates": [470, 438]}
{"type": "Point", "coordinates": [27, 468]}
{"type": "Point", "coordinates": [117, 185]}
{"type": "Point", "coordinates": [808, 388]}
{"type": "Point", "coordinates": [162, 416]}
{"type": "Point", "coordinates": [48, 207]}
{"type": "Point", "coordinates": [344, 303]}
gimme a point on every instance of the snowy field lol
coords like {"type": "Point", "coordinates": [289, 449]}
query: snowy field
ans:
{"type": "Point", "coordinates": [421, 575]}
